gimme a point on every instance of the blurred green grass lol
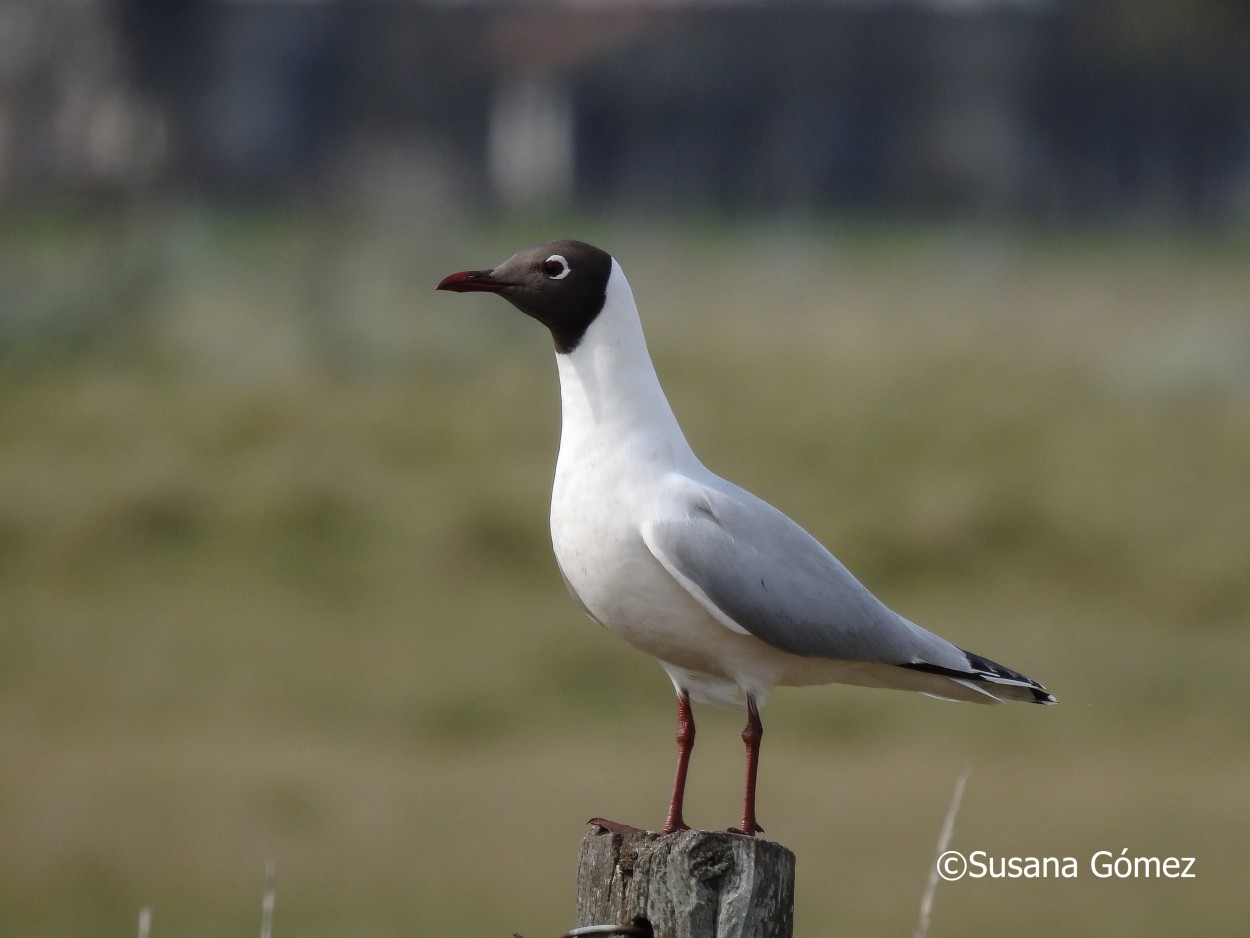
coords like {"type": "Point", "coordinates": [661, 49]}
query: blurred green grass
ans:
{"type": "Point", "coordinates": [275, 579]}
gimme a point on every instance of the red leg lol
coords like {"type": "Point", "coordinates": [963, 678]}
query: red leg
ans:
{"type": "Point", "coordinates": [751, 736]}
{"type": "Point", "coordinates": [685, 744]}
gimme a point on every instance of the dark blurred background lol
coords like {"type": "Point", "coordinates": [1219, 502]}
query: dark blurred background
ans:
{"type": "Point", "coordinates": [1037, 111]}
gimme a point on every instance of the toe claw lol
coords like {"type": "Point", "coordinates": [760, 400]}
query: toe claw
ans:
{"type": "Point", "coordinates": [614, 827]}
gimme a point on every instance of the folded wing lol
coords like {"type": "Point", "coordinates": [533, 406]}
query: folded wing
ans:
{"type": "Point", "coordinates": [759, 573]}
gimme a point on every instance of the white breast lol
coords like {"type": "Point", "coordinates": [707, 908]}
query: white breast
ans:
{"type": "Point", "coordinates": [619, 443]}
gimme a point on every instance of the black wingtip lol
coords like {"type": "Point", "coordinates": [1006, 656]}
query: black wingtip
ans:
{"type": "Point", "coordinates": [991, 673]}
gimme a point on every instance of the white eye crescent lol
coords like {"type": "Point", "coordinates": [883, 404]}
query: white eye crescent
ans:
{"type": "Point", "coordinates": [556, 267]}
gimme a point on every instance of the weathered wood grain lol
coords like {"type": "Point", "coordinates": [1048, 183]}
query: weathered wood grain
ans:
{"type": "Point", "coordinates": [691, 884]}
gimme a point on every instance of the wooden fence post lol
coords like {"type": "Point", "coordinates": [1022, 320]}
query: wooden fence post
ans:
{"type": "Point", "coordinates": [692, 884]}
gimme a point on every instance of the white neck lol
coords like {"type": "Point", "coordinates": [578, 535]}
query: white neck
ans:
{"type": "Point", "coordinates": [609, 393]}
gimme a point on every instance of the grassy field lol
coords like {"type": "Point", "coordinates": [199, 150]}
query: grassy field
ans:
{"type": "Point", "coordinates": [275, 581]}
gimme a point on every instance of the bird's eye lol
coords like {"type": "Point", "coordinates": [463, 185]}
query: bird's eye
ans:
{"type": "Point", "coordinates": [556, 267]}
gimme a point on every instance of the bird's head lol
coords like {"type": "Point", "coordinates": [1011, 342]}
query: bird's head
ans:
{"type": "Point", "coordinates": [562, 284]}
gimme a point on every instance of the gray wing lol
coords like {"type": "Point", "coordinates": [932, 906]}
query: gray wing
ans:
{"type": "Point", "coordinates": [761, 574]}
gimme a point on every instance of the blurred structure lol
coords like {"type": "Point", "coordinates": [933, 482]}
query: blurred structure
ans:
{"type": "Point", "coordinates": [1052, 110]}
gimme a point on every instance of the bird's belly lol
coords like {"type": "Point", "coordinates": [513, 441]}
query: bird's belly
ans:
{"type": "Point", "coordinates": [624, 588]}
{"type": "Point", "coordinates": [621, 585]}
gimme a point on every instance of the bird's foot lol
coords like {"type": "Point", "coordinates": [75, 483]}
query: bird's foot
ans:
{"type": "Point", "coordinates": [749, 828]}
{"type": "Point", "coordinates": [673, 827]}
{"type": "Point", "coordinates": [614, 827]}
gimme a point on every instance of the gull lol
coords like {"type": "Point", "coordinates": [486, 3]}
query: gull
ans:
{"type": "Point", "coordinates": [731, 596]}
